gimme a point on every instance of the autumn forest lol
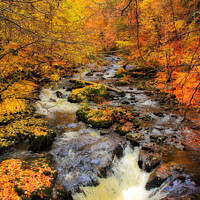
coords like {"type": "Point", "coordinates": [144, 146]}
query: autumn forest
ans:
{"type": "Point", "coordinates": [44, 42]}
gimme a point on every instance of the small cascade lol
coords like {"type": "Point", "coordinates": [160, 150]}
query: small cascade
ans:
{"type": "Point", "coordinates": [127, 182]}
{"type": "Point", "coordinates": [92, 165]}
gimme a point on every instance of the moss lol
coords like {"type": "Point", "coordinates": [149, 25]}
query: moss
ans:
{"type": "Point", "coordinates": [20, 130]}
{"type": "Point", "coordinates": [96, 93]}
{"type": "Point", "coordinates": [123, 82]}
{"type": "Point", "coordinates": [97, 118]}
{"type": "Point", "coordinates": [42, 141]}
{"type": "Point", "coordinates": [79, 84]}
{"type": "Point", "coordinates": [121, 72]}
{"type": "Point", "coordinates": [122, 130]}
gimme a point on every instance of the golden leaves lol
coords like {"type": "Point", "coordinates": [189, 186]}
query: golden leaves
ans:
{"type": "Point", "coordinates": [12, 105]}
{"type": "Point", "coordinates": [14, 174]}
{"type": "Point", "coordinates": [20, 89]}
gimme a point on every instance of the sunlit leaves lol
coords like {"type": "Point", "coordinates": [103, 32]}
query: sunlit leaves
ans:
{"type": "Point", "coordinates": [30, 179]}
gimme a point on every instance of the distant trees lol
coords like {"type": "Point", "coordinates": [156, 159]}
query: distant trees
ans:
{"type": "Point", "coordinates": [41, 33]}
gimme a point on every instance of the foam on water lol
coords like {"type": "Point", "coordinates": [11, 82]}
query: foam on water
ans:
{"type": "Point", "coordinates": [127, 182]}
{"type": "Point", "coordinates": [49, 103]}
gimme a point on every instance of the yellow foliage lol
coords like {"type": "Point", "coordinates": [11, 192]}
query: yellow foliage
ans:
{"type": "Point", "coordinates": [20, 89]}
{"type": "Point", "coordinates": [55, 77]}
{"type": "Point", "coordinates": [23, 127]}
{"type": "Point", "coordinates": [12, 106]}
{"type": "Point", "coordinates": [4, 143]}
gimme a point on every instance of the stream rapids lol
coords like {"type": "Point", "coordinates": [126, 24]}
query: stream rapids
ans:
{"type": "Point", "coordinates": [102, 165]}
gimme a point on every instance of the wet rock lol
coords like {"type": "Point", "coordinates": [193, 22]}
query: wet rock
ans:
{"type": "Point", "coordinates": [89, 74]}
{"type": "Point", "coordinates": [146, 118]}
{"type": "Point", "coordinates": [134, 138]}
{"type": "Point", "coordinates": [122, 130]}
{"type": "Point", "coordinates": [149, 160]}
{"type": "Point", "coordinates": [69, 89]}
{"type": "Point", "coordinates": [123, 82]}
{"type": "Point", "coordinates": [59, 94]}
{"type": "Point", "coordinates": [52, 100]}
{"type": "Point", "coordinates": [125, 102]}
{"type": "Point", "coordinates": [130, 67]}
{"type": "Point", "coordinates": [122, 94]}
{"type": "Point", "coordinates": [42, 142]}
{"type": "Point", "coordinates": [158, 139]}
{"type": "Point", "coordinates": [159, 114]}
{"type": "Point", "coordinates": [62, 194]}
{"type": "Point", "coordinates": [135, 75]}
{"type": "Point", "coordinates": [132, 99]}
{"type": "Point", "coordinates": [79, 84]}
{"type": "Point", "coordinates": [104, 132]}
{"type": "Point", "coordinates": [180, 146]}
{"type": "Point", "coordinates": [121, 72]}
{"type": "Point", "coordinates": [158, 176]}
{"type": "Point", "coordinates": [154, 183]}
{"type": "Point", "coordinates": [118, 151]}
{"type": "Point", "coordinates": [83, 159]}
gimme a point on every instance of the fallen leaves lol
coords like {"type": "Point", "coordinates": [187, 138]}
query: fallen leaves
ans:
{"type": "Point", "coordinates": [15, 176]}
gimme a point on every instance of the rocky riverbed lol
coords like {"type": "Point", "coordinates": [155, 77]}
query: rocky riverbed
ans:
{"type": "Point", "coordinates": [116, 139]}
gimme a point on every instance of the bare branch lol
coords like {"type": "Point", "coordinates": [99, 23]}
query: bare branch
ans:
{"type": "Point", "coordinates": [129, 3]}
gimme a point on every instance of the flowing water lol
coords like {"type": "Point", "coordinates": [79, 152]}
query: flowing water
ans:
{"type": "Point", "coordinates": [92, 165]}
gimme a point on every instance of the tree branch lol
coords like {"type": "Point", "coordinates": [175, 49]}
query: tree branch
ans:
{"type": "Point", "coordinates": [21, 47]}
{"type": "Point", "coordinates": [129, 3]}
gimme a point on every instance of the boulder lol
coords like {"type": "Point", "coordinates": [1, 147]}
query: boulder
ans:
{"type": "Point", "coordinates": [42, 141]}
{"type": "Point", "coordinates": [97, 118]}
{"type": "Point", "coordinates": [149, 160]}
{"type": "Point", "coordinates": [96, 93]}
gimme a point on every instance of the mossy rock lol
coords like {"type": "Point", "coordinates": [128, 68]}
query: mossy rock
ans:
{"type": "Point", "coordinates": [122, 114]}
{"type": "Point", "coordinates": [43, 141]}
{"type": "Point", "coordinates": [121, 72]}
{"type": "Point", "coordinates": [96, 118]}
{"type": "Point", "coordinates": [122, 130]}
{"type": "Point", "coordinates": [123, 82]}
{"type": "Point", "coordinates": [96, 93]}
{"type": "Point", "coordinates": [79, 84]}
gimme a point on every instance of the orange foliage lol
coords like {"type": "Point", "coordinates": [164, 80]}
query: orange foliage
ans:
{"type": "Point", "coordinates": [31, 179]}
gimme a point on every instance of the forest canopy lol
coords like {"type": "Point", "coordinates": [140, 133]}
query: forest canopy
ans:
{"type": "Point", "coordinates": [41, 39]}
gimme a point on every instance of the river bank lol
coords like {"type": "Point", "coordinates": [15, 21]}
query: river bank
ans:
{"type": "Point", "coordinates": [82, 154]}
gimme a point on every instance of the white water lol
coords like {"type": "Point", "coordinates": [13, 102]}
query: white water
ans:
{"type": "Point", "coordinates": [49, 103]}
{"type": "Point", "coordinates": [127, 182]}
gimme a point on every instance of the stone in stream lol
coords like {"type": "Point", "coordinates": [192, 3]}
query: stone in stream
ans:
{"type": "Point", "coordinates": [149, 160]}
{"type": "Point", "coordinates": [159, 114]}
{"type": "Point", "coordinates": [89, 74]}
{"type": "Point", "coordinates": [96, 93]}
{"type": "Point", "coordinates": [97, 118]}
{"type": "Point", "coordinates": [158, 176]}
{"type": "Point", "coordinates": [42, 140]}
{"type": "Point", "coordinates": [59, 94]}
{"type": "Point", "coordinates": [84, 158]}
